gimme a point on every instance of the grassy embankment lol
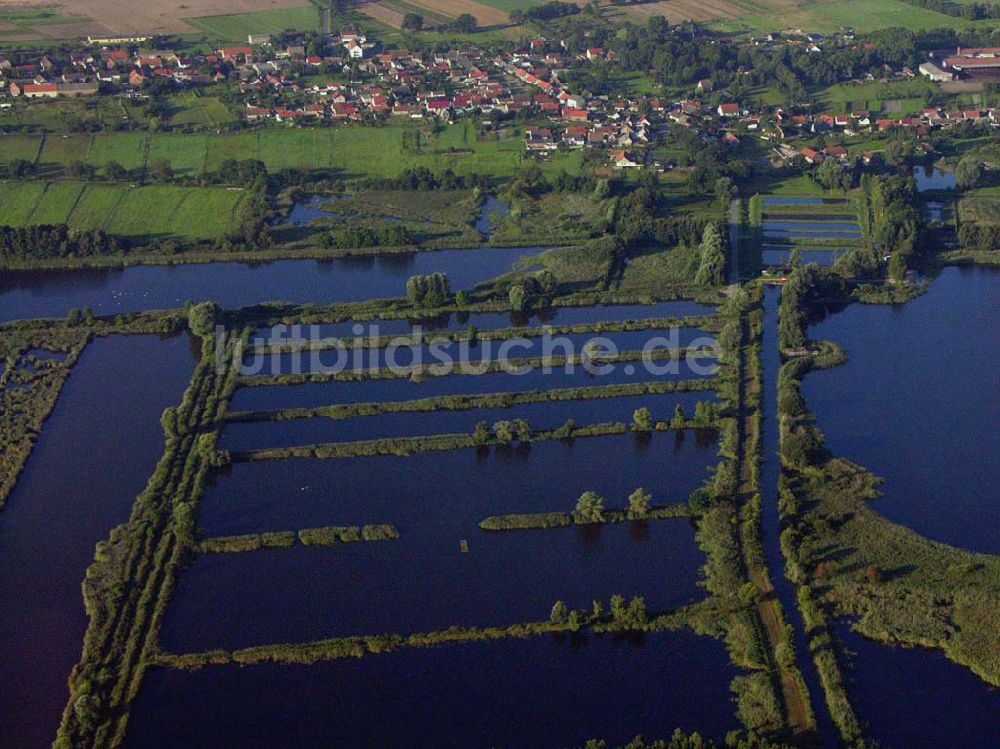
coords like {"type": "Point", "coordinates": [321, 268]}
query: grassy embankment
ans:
{"type": "Point", "coordinates": [135, 213]}
{"type": "Point", "coordinates": [505, 399]}
{"type": "Point", "coordinates": [494, 367]}
{"type": "Point", "coordinates": [129, 583]}
{"type": "Point", "coordinates": [796, 700]}
{"type": "Point", "coordinates": [331, 535]}
{"type": "Point", "coordinates": [701, 322]}
{"type": "Point", "coordinates": [848, 560]}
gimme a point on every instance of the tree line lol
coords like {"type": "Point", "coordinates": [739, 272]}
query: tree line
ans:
{"type": "Point", "coordinates": [54, 241]}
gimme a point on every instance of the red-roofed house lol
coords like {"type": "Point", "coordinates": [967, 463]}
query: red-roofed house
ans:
{"type": "Point", "coordinates": [233, 54]}
{"type": "Point", "coordinates": [41, 90]}
{"type": "Point", "coordinates": [575, 115]}
{"type": "Point", "coordinates": [813, 157]}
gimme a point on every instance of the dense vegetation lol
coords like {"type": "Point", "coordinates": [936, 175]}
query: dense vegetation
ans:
{"type": "Point", "coordinates": [41, 242]}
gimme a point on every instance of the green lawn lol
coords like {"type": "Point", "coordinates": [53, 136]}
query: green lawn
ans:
{"type": "Point", "coordinates": [96, 206]}
{"type": "Point", "coordinates": [154, 211]}
{"type": "Point", "coordinates": [355, 150]}
{"type": "Point", "coordinates": [128, 149]}
{"type": "Point", "coordinates": [57, 203]}
{"type": "Point", "coordinates": [186, 153]}
{"type": "Point", "coordinates": [218, 149]}
{"type": "Point", "coordinates": [911, 94]}
{"type": "Point", "coordinates": [13, 147]}
{"type": "Point", "coordinates": [19, 200]}
{"type": "Point", "coordinates": [188, 108]}
{"type": "Point", "coordinates": [236, 28]}
{"type": "Point", "coordinates": [57, 115]}
{"type": "Point", "coordinates": [64, 149]}
{"type": "Point", "coordinates": [28, 17]}
{"type": "Point", "coordinates": [828, 16]}
{"type": "Point", "coordinates": [509, 5]}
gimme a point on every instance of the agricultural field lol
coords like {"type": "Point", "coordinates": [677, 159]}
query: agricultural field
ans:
{"type": "Point", "coordinates": [237, 27]}
{"type": "Point", "coordinates": [22, 21]}
{"type": "Point", "coordinates": [762, 16]}
{"type": "Point", "coordinates": [676, 11]}
{"type": "Point", "coordinates": [354, 151]}
{"type": "Point", "coordinates": [140, 213]}
{"type": "Point", "coordinates": [63, 19]}
{"type": "Point", "coordinates": [14, 147]}
{"type": "Point", "coordinates": [108, 113]}
{"type": "Point", "coordinates": [191, 108]}
{"type": "Point", "coordinates": [895, 99]}
{"type": "Point", "coordinates": [485, 13]}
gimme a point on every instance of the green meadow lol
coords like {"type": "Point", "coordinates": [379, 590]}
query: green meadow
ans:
{"type": "Point", "coordinates": [237, 27]}
{"type": "Point", "coordinates": [137, 212]}
{"type": "Point", "coordinates": [352, 150]}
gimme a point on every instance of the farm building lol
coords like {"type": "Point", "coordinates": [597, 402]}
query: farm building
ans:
{"type": "Point", "coordinates": [936, 74]}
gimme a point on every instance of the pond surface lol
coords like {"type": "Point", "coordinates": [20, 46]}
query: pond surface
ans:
{"type": "Point", "coordinates": [423, 582]}
{"type": "Point", "coordinates": [96, 453]}
{"type": "Point", "coordinates": [918, 403]}
{"type": "Point", "coordinates": [918, 699]}
{"type": "Point", "coordinates": [933, 178]}
{"type": "Point", "coordinates": [52, 293]}
{"type": "Point", "coordinates": [479, 695]}
{"type": "Point", "coordinates": [494, 209]}
{"type": "Point", "coordinates": [456, 489]}
{"type": "Point", "coordinates": [814, 229]}
{"type": "Point", "coordinates": [315, 394]}
{"type": "Point", "coordinates": [938, 210]}
{"type": "Point", "coordinates": [252, 435]}
{"type": "Point", "coordinates": [304, 212]}
{"type": "Point", "coordinates": [784, 257]}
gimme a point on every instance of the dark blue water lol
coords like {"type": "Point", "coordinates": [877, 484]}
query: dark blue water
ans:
{"type": "Point", "coordinates": [423, 583]}
{"type": "Point", "coordinates": [938, 210]}
{"type": "Point", "coordinates": [542, 692]}
{"type": "Point", "coordinates": [30, 294]}
{"type": "Point", "coordinates": [932, 178]}
{"type": "Point", "coordinates": [405, 353]}
{"type": "Point", "coordinates": [918, 403]}
{"type": "Point", "coordinates": [252, 435]}
{"type": "Point", "coordinates": [493, 210]}
{"type": "Point", "coordinates": [315, 394]}
{"type": "Point", "coordinates": [494, 320]}
{"type": "Point", "coordinates": [918, 699]}
{"type": "Point", "coordinates": [306, 211]}
{"type": "Point", "coordinates": [784, 257]}
{"type": "Point", "coordinates": [831, 229]}
{"type": "Point", "coordinates": [95, 455]}
{"type": "Point", "coordinates": [454, 489]}
{"type": "Point", "coordinates": [771, 525]}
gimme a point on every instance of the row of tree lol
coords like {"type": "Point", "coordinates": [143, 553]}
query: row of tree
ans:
{"type": "Point", "coordinates": [54, 241]}
{"type": "Point", "coordinates": [430, 291]}
{"type": "Point", "coordinates": [379, 234]}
